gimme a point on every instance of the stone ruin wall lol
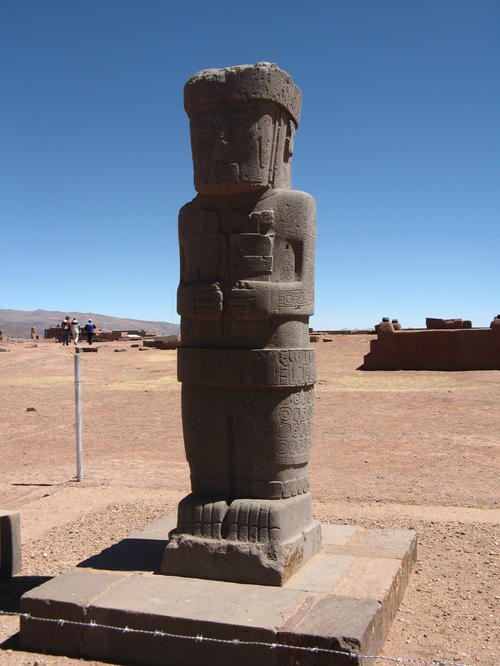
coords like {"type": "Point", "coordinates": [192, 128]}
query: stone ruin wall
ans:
{"type": "Point", "coordinates": [435, 349]}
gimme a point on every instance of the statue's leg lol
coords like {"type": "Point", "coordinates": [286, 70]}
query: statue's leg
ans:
{"type": "Point", "coordinates": [273, 443]}
{"type": "Point", "coordinates": [206, 438]}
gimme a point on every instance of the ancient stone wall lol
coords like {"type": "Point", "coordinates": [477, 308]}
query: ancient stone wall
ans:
{"type": "Point", "coordinates": [440, 349]}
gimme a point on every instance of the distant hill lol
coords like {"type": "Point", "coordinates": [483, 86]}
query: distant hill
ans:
{"type": "Point", "coordinates": [18, 323]}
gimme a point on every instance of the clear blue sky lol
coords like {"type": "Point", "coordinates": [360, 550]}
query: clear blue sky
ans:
{"type": "Point", "coordinates": [399, 143]}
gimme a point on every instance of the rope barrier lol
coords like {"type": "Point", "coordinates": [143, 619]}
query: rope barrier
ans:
{"type": "Point", "coordinates": [235, 642]}
{"type": "Point", "coordinates": [34, 434]}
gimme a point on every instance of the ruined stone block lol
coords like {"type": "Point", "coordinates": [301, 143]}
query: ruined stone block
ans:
{"type": "Point", "coordinates": [10, 543]}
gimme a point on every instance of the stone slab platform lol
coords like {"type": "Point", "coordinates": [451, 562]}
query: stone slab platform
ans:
{"type": "Point", "coordinates": [343, 599]}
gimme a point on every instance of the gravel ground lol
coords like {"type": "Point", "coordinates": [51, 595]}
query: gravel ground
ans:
{"type": "Point", "coordinates": [459, 622]}
{"type": "Point", "coordinates": [409, 450]}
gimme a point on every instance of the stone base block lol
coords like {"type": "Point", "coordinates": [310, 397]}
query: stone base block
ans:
{"type": "Point", "coordinates": [262, 542]}
{"type": "Point", "coordinates": [342, 600]}
{"type": "Point", "coordinates": [240, 562]}
{"type": "Point", "coordinates": [10, 544]}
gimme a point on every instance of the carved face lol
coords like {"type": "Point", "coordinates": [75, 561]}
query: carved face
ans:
{"type": "Point", "coordinates": [233, 149]}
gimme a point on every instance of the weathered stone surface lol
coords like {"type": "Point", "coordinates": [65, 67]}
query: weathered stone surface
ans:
{"type": "Point", "coordinates": [452, 323]}
{"type": "Point", "coordinates": [322, 572]}
{"type": "Point", "coordinates": [10, 543]}
{"type": "Point", "coordinates": [259, 520]}
{"type": "Point", "coordinates": [394, 542]}
{"type": "Point", "coordinates": [385, 326]}
{"type": "Point", "coordinates": [255, 541]}
{"type": "Point", "coordinates": [245, 296]}
{"type": "Point", "coordinates": [247, 367]}
{"type": "Point", "coordinates": [340, 624]}
{"type": "Point", "coordinates": [66, 597]}
{"type": "Point", "coordinates": [162, 342]}
{"type": "Point", "coordinates": [338, 535]}
{"type": "Point", "coordinates": [260, 563]}
{"type": "Point", "coordinates": [368, 577]}
{"type": "Point", "coordinates": [435, 323]}
{"type": "Point", "coordinates": [336, 601]}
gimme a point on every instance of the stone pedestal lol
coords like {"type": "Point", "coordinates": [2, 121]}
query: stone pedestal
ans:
{"type": "Point", "coordinates": [341, 601]}
{"type": "Point", "coordinates": [247, 541]}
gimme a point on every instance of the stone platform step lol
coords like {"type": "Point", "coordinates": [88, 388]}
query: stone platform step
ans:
{"type": "Point", "coordinates": [115, 608]}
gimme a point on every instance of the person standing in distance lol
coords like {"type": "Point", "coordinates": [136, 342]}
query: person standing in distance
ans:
{"type": "Point", "coordinates": [66, 327]}
{"type": "Point", "coordinates": [90, 331]}
{"type": "Point", "coordinates": [75, 330]}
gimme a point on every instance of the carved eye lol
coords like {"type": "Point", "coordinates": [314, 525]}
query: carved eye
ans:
{"type": "Point", "coordinates": [290, 137]}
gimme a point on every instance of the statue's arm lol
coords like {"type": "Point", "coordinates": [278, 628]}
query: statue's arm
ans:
{"type": "Point", "coordinates": [195, 299]}
{"type": "Point", "coordinates": [200, 300]}
{"type": "Point", "coordinates": [254, 299]}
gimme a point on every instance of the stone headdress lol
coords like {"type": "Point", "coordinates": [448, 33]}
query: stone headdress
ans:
{"type": "Point", "coordinates": [265, 81]}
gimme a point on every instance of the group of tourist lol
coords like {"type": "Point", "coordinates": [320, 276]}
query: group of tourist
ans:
{"type": "Point", "coordinates": [71, 329]}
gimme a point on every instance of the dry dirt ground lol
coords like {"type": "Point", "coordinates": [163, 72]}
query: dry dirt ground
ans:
{"type": "Point", "coordinates": [405, 449]}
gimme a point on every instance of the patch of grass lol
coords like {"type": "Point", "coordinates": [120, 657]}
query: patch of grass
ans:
{"type": "Point", "coordinates": [401, 381]}
{"type": "Point", "coordinates": [164, 383]}
{"type": "Point", "coordinates": [162, 356]}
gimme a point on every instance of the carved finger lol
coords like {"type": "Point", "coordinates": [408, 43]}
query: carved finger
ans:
{"type": "Point", "coordinates": [242, 294]}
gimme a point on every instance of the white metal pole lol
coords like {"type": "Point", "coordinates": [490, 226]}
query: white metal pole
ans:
{"type": "Point", "coordinates": [78, 414]}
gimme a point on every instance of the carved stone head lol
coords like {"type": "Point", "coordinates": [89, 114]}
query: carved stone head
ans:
{"type": "Point", "coordinates": [243, 122]}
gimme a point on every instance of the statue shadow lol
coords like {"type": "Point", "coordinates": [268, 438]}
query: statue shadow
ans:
{"type": "Point", "coordinates": [140, 551]}
{"type": "Point", "coordinates": [129, 555]}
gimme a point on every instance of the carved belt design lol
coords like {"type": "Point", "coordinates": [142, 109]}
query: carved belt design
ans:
{"type": "Point", "coordinates": [247, 367]}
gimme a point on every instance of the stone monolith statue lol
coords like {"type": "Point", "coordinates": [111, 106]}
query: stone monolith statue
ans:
{"type": "Point", "coordinates": [245, 296]}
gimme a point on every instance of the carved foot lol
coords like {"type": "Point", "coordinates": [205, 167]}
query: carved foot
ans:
{"type": "Point", "coordinates": [201, 515]}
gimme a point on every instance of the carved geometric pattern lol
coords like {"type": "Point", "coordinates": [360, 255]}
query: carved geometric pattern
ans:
{"type": "Point", "coordinates": [247, 367]}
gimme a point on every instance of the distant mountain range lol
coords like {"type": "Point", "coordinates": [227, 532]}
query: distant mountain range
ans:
{"type": "Point", "coordinates": [18, 323]}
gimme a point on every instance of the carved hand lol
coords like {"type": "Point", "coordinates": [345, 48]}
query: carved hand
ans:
{"type": "Point", "coordinates": [200, 301]}
{"type": "Point", "coordinates": [250, 300]}
{"type": "Point", "coordinates": [242, 299]}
